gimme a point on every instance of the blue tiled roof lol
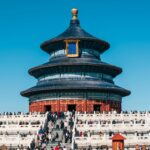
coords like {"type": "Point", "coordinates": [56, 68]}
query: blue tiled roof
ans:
{"type": "Point", "coordinates": [75, 32]}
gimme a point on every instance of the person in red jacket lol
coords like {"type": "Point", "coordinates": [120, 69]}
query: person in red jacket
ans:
{"type": "Point", "coordinates": [56, 147]}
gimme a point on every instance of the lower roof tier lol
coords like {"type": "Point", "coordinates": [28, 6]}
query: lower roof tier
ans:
{"type": "Point", "coordinates": [100, 86]}
{"type": "Point", "coordinates": [75, 64]}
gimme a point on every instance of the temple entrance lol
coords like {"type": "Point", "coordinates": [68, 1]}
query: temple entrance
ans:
{"type": "Point", "coordinates": [47, 108]}
{"type": "Point", "coordinates": [97, 108]}
{"type": "Point", "coordinates": [71, 107]}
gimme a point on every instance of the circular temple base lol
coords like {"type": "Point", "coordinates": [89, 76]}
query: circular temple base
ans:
{"type": "Point", "coordinates": [77, 105]}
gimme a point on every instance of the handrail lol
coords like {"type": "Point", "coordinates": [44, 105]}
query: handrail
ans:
{"type": "Point", "coordinates": [73, 135]}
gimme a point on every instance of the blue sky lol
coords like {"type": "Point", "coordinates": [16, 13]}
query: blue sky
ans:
{"type": "Point", "coordinates": [25, 24]}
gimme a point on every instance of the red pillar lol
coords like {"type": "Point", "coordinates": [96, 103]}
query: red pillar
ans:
{"type": "Point", "coordinates": [118, 142]}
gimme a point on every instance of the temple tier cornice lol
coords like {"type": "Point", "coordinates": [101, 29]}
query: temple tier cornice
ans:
{"type": "Point", "coordinates": [76, 65]}
{"type": "Point", "coordinates": [62, 85]}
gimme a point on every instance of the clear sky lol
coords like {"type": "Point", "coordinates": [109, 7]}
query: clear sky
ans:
{"type": "Point", "coordinates": [25, 24]}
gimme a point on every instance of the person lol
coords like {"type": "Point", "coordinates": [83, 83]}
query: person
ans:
{"type": "Point", "coordinates": [64, 148]}
{"type": "Point", "coordinates": [18, 147]}
{"type": "Point", "coordinates": [70, 136]}
{"type": "Point", "coordinates": [57, 136]}
{"type": "Point", "coordinates": [71, 123]}
{"type": "Point", "coordinates": [57, 126]}
{"type": "Point", "coordinates": [66, 137]}
{"type": "Point", "coordinates": [62, 124]}
{"type": "Point", "coordinates": [21, 148]}
{"type": "Point", "coordinates": [58, 114]}
{"type": "Point", "coordinates": [56, 147]}
{"type": "Point", "coordinates": [28, 148]}
{"type": "Point", "coordinates": [43, 146]}
{"type": "Point", "coordinates": [41, 131]}
{"type": "Point", "coordinates": [50, 136]}
{"type": "Point", "coordinates": [32, 145]}
{"type": "Point", "coordinates": [89, 148]}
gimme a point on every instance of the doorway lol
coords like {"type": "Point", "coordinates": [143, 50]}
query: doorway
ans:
{"type": "Point", "coordinates": [47, 108]}
{"type": "Point", "coordinates": [71, 107]}
{"type": "Point", "coordinates": [97, 107]}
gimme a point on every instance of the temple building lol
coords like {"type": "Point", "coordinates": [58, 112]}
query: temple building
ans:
{"type": "Point", "coordinates": [75, 77]}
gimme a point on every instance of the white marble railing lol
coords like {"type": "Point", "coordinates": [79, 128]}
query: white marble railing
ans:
{"type": "Point", "coordinates": [13, 126]}
{"type": "Point", "coordinates": [113, 127]}
{"type": "Point", "coordinates": [124, 117]}
{"type": "Point", "coordinates": [33, 129]}
{"type": "Point", "coordinates": [16, 140]}
{"type": "Point", "coordinates": [99, 141]}
{"type": "Point", "coordinates": [135, 127]}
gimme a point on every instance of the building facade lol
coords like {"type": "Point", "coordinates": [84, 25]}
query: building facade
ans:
{"type": "Point", "coordinates": [75, 77]}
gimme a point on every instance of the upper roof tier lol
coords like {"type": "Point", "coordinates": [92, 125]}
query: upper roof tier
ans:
{"type": "Point", "coordinates": [74, 31]}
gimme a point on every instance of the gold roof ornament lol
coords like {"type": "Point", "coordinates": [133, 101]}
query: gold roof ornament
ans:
{"type": "Point", "coordinates": [74, 12]}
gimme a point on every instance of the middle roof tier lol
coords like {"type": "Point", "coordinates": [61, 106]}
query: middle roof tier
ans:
{"type": "Point", "coordinates": [62, 65]}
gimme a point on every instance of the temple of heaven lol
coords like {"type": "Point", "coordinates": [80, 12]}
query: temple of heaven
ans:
{"type": "Point", "coordinates": [75, 77]}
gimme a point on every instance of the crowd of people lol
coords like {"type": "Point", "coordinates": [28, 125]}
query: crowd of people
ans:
{"type": "Point", "coordinates": [58, 130]}
{"type": "Point", "coordinates": [61, 131]}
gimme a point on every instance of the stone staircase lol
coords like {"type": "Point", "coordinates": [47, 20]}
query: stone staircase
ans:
{"type": "Point", "coordinates": [60, 140]}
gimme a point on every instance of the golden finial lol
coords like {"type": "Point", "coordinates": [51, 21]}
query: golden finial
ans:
{"type": "Point", "coordinates": [74, 12]}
